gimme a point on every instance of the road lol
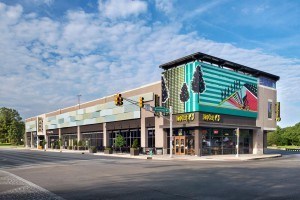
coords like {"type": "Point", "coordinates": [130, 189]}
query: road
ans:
{"type": "Point", "coordinates": [77, 176]}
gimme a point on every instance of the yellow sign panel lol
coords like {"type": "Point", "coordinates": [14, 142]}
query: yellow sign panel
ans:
{"type": "Point", "coordinates": [186, 117]}
{"type": "Point", "coordinates": [277, 111]}
{"type": "Point", "coordinates": [211, 117]}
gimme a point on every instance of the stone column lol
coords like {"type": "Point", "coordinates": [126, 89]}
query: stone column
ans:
{"type": "Point", "coordinates": [47, 141]}
{"type": "Point", "coordinates": [79, 135]}
{"type": "Point", "coordinates": [144, 133]}
{"type": "Point", "coordinates": [31, 139]}
{"type": "Point", "coordinates": [37, 141]}
{"type": "Point", "coordinates": [165, 142]}
{"type": "Point", "coordinates": [159, 134]}
{"type": "Point", "coordinates": [105, 136]}
{"type": "Point", "coordinates": [258, 141]}
{"type": "Point", "coordinates": [60, 138]}
{"type": "Point", "coordinates": [198, 142]}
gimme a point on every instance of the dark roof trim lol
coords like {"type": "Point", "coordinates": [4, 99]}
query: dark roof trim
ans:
{"type": "Point", "coordinates": [217, 61]}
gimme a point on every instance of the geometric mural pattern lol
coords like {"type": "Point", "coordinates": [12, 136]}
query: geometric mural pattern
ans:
{"type": "Point", "coordinates": [198, 86]}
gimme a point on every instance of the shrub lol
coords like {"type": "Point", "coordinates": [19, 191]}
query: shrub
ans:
{"type": "Point", "coordinates": [135, 144]}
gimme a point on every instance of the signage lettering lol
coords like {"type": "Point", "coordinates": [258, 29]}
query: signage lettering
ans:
{"type": "Point", "coordinates": [211, 117]}
{"type": "Point", "coordinates": [40, 124]}
{"type": "Point", "coordinates": [185, 117]}
{"type": "Point", "coordinates": [277, 111]}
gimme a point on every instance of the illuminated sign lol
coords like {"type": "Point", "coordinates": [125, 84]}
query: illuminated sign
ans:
{"type": "Point", "coordinates": [186, 117]}
{"type": "Point", "coordinates": [277, 111]}
{"type": "Point", "coordinates": [211, 117]}
{"type": "Point", "coordinates": [40, 124]}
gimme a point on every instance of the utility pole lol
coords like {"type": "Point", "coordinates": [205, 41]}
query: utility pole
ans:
{"type": "Point", "coordinates": [237, 142]}
{"type": "Point", "coordinates": [171, 131]}
{"type": "Point", "coordinates": [78, 96]}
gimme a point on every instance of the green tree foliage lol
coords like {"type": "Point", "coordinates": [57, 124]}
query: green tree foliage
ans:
{"type": "Point", "coordinates": [135, 144]}
{"type": "Point", "coordinates": [285, 136]}
{"type": "Point", "coordinates": [11, 126]}
{"type": "Point", "coordinates": [120, 141]}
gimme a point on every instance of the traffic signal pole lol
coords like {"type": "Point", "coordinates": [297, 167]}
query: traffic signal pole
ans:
{"type": "Point", "coordinates": [141, 105]}
{"type": "Point", "coordinates": [171, 131]}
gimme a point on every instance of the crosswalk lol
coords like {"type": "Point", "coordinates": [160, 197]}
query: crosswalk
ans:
{"type": "Point", "coordinates": [15, 187]}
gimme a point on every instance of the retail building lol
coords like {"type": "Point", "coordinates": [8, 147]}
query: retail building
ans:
{"type": "Point", "coordinates": [216, 104]}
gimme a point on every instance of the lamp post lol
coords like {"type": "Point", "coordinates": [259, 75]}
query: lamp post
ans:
{"type": "Point", "coordinates": [237, 142]}
{"type": "Point", "coordinates": [78, 96]}
{"type": "Point", "coordinates": [171, 131]}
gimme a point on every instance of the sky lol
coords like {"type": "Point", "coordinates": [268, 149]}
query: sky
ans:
{"type": "Point", "coordinates": [53, 50]}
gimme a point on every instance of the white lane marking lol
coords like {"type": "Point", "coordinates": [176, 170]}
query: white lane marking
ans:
{"type": "Point", "coordinates": [47, 192]}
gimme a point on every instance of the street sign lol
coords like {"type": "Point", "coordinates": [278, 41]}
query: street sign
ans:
{"type": "Point", "coordinates": [161, 109]}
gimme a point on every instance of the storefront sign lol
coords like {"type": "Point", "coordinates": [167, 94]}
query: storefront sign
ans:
{"type": "Point", "coordinates": [186, 117]}
{"type": "Point", "coordinates": [211, 117]}
{"type": "Point", "coordinates": [277, 111]}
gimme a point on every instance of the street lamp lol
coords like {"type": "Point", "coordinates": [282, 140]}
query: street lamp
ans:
{"type": "Point", "coordinates": [78, 96]}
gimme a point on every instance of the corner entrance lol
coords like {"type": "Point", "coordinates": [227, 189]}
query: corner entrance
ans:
{"type": "Point", "coordinates": [180, 147]}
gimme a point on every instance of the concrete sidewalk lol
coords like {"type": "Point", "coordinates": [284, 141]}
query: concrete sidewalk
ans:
{"type": "Point", "coordinates": [232, 157]}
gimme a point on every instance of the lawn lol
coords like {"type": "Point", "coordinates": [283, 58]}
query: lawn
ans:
{"type": "Point", "coordinates": [9, 145]}
{"type": "Point", "coordinates": [287, 147]}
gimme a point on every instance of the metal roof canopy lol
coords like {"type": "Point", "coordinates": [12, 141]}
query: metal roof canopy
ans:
{"type": "Point", "coordinates": [219, 62]}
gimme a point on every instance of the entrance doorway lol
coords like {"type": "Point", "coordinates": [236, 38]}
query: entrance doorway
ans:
{"type": "Point", "coordinates": [180, 145]}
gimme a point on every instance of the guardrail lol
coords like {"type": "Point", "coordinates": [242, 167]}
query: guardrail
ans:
{"type": "Point", "coordinates": [292, 149]}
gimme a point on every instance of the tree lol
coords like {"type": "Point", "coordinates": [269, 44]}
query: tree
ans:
{"type": "Point", "coordinates": [135, 144]}
{"type": "Point", "coordinates": [285, 136]}
{"type": "Point", "coordinates": [120, 141]}
{"type": "Point", "coordinates": [11, 126]}
{"type": "Point", "coordinates": [198, 84]}
{"type": "Point", "coordinates": [184, 95]}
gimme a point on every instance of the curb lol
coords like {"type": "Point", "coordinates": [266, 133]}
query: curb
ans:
{"type": "Point", "coordinates": [147, 157]}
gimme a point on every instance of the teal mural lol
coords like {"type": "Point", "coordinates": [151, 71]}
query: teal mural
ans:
{"type": "Point", "coordinates": [198, 86]}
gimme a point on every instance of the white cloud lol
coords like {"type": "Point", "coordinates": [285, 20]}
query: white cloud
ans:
{"type": "Point", "coordinates": [114, 9]}
{"type": "Point", "coordinates": [45, 63]}
{"type": "Point", "coordinates": [164, 6]}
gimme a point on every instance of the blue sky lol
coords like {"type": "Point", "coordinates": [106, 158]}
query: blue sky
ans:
{"type": "Point", "coordinates": [52, 50]}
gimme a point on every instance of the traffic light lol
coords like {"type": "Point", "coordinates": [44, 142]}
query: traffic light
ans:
{"type": "Point", "coordinates": [118, 100]}
{"type": "Point", "coordinates": [156, 100]}
{"type": "Point", "coordinates": [156, 104]}
{"type": "Point", "coordinates": [141, 102]}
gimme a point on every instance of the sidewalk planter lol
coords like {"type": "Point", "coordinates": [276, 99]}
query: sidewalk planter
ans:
{"type": "Point", "coordinates": [81, 148]}
{"type": "Point", "coordinates": [134, 152]}
{"type": "Point", "coordinates": [108, 151]}
{"type": "Point", "coordinates": [92, 150]}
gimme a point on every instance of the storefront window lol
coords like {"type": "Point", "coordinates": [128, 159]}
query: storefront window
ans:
{"type": "Point", "coordinates": [52, 141]}
{"type": "Point", "coordinates": [267, 82]}
{"type": "Point", "coordinates": [128, 135]}
{"type": "Point", "coordinates": [93, 138]}
{"type": "Point", "coordinates": [223, 141]}
{"type": "Point", "coordinates": [151, 137]}
{"type": "Point", "coordinates": [67, 140]}
{"type": "Point", "coordinates": [269, 109]}
{"type": "Point", "coordinates": [218, 141]}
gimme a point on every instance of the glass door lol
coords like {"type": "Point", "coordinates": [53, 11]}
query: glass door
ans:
{"type": "Point", "coordinates": [180, 145]}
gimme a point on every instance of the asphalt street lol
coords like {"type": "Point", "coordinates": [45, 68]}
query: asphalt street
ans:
{"type": "Point", "coordinates": [86, 176]}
